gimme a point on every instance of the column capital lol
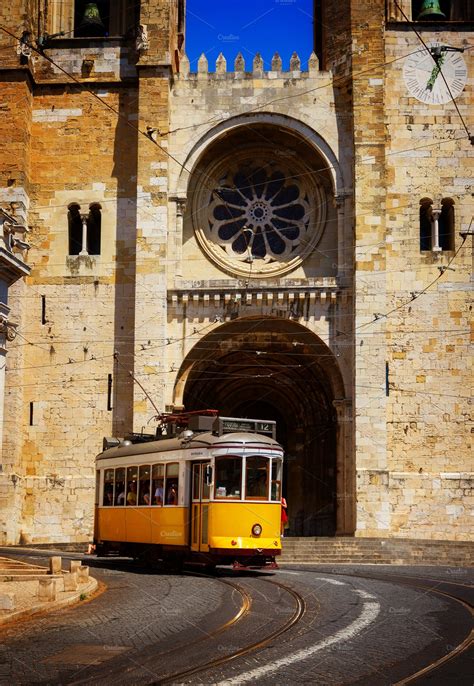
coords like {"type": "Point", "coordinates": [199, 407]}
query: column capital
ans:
{"type": "Point", "coordinates": [180, 205]}
{"type": "Point", "coordinates": [342, 406]}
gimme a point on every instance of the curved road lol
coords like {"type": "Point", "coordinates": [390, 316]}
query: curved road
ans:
{"type": "Point", "coordinates": [366, 625]}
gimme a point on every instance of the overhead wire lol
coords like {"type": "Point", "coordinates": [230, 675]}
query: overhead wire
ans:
{"type": "Point", "coordinates": [182, 166]}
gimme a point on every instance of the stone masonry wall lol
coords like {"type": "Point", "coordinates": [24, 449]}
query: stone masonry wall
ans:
{"type": "Point", "coordinates": [427, 480]}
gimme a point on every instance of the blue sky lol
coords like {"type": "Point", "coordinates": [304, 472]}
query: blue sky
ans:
{"type": "Point", "coordinates": [248, 26]}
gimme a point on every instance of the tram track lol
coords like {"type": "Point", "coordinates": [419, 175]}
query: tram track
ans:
{"type": "Point", "coordinates": [423, 583]}
{"type": "Point", "coordinates": [300, 609]}
{"type": "Point", "coordinates": [152, 663]}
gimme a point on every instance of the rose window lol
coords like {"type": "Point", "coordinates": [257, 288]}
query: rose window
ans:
{"type": "Point", "coordinates": [261, 215]}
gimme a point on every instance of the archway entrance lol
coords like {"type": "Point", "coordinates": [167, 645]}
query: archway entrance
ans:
{"type": "Point", "coordinates": [267, 368]}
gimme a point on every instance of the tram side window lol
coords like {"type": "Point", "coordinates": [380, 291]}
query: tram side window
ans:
{"type": "Point", "coordinates": [158, 483]}
{"type": "Point", "coordinates": [120, 486]}
{"type": "Point", "coordinates": [172, 483]}
{"type": "Point", "coordinates": [144, 472]}
{"type": "Point", "coordinates": [275, 493]}
{"type": "Point", "coordinates": [108, 498]}
{"type": "Point", "coordinates": [132, 478]}
{"type": "Point", "coordinates": [228, 478]}
{"type": "Point", "coordinates": [256, 478]}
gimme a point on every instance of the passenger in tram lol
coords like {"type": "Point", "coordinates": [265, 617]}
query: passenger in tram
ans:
{"type": "Point", "coordinates": [132, 494]}
{"type": "Point", "coordinates": [159, 495]}
{"type": "Point", "coordinates": [172, 494]}
{"type": "Point", "coordinates": [261, 488]}
{"type": "Point", "coordinates": [109, 496]}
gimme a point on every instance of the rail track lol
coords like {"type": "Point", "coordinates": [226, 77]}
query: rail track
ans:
{"type": "Point", "coordinates": [423, 583]}
{"type": "Point", "coordinates": [299, 611]}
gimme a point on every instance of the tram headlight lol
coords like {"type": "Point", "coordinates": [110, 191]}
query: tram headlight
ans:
{"type": "Point", "coordinates": [256, 529]}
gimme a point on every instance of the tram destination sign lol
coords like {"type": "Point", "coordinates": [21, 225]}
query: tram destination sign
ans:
{"type": "Point", "coordinates": [226, 425]}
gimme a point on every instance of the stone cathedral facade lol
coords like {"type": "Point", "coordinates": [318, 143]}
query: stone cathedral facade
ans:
{"type": "Point", "coordinates": [278, 241]}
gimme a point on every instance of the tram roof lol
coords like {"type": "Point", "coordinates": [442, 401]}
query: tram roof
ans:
{"type": "Point", "coordinates": [202, 440]}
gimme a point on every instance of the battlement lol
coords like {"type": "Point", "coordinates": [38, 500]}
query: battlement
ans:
{"type": "Point", "coordinates": [257, 70]}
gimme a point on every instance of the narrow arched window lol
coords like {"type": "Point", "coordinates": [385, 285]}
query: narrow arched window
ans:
{"type": "Point", "coordinates": [436, 225]}
{"type": "Point", "coordinates": [425, 223]}
{"type": "Point", "coordinates": [446, 224]}
{"type": "Point", "coordinates": [94, 222]}
{"type": "Point", "coordinates": [74, 228]}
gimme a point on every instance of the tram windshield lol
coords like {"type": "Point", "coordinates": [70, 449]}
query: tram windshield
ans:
{"type": "Point", "coordinates": [229, 472]}
{"type": "Point", "coordinates": [228, 478]}
{"type": "Point", "coordinates": [256, 478]}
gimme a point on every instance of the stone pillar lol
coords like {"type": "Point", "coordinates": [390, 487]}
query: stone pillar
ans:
{"type": "Point", "coordinates": [61, 17]}
{"type": "Point", "coordinates": [70, 582]}
{"type": "Point", "coordinates": [12, 268]}
{"type": "Point", "coordinates": [47, 589]}
{"type": "Point", "coordinates": [180, 210]}
{"type": "Point", "coordinates": [84, 234]}
{"type": "Point", "coordinates": [82, 575]}
{"type": "Point", "coordinates": [75, 565]}
{"type": "Point", "coordinates": [435, 246]}
{"type": "Point", "coordinates": [399, 10]}
{"type": "Point", "coordinates": [55, 564]}
{"type": "Point", "coordinates": [345, 469]}
{"type": "Point", "coordinates": [343, 249]}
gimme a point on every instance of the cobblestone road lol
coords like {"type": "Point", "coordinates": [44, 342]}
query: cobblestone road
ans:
{"type": "Point", "coordinates": [145, 627]}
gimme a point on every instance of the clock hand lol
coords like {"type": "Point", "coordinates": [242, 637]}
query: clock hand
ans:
{"type": "Point", "coordinates": [434, 74]}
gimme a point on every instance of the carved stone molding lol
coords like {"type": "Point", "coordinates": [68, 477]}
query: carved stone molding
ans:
{"type": "Point", "coordinates": [8, 329]}
{"type": "Point", "coordinates": [142, 44]}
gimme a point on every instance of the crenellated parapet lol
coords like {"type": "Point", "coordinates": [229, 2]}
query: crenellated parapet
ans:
{"type": "Point", "coordinates": [255, 69]}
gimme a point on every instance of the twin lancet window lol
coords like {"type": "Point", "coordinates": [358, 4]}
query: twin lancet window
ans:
{"type": "Point", "coordinates": [84, 229]}
{"type": "Point", "coordinates": [436, 225]}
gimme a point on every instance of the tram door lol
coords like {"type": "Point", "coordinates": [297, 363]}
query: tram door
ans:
{"type": "Point", "coordinates": [201, 479]}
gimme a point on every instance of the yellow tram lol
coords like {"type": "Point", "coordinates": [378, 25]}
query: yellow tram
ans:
{"type": "Point", "coordinates": [208, 491]}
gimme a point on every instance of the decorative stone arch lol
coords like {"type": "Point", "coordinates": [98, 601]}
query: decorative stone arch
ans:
{"type": "Point", "coordinates": [295, 126]}
{"type": "Point", "coordinates": [278, 369]}
{"type": "Point", "coordinates": [265, 190]}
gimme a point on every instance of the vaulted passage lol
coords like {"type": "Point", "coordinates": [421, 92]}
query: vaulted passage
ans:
{"type": "Point", "coordinates": [276, 369]}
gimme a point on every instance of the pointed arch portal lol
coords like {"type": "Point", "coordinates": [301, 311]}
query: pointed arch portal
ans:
{"type": "Point", "coordinates": [277, 369]}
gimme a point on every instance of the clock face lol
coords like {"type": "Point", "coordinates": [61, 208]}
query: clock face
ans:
{"type": "Point", "coordinates": [424, 76]}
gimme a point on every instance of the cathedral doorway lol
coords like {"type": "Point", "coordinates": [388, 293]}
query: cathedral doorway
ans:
{"type": "Point", "coordinates": [265, 368]}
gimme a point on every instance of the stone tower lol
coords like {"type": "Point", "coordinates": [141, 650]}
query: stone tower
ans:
{"type": "Point", "coordinates": [279, 241]}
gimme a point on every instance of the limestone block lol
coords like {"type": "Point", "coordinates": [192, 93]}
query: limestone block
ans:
{"type": "Point", "coordinates": [82, 575]}
{"type": "Point", "coordinates": [7, 601]}
{"type": "Point", "coordinates": [47, 589]}
{"type": "Point", "coordinates": [70, 581]}
{"type": "Point", "coordinates": [75, 565]}
{"type": "Point", "coordinates": [55, 565]}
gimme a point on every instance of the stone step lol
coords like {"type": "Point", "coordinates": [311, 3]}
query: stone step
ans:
{"type": "Point", "coordinates": [377, 551]}
{"type": "Point", "coordinates": [28, 577]}
{"type": "Point", "coordinates": [22, 572]}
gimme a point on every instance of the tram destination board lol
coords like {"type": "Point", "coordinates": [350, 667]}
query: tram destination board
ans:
{"type": "Point", "coordinates": [225, 425]}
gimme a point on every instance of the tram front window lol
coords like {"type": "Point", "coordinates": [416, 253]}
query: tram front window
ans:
{"type": "Point", "coordinates": [228, 477]}
{"type": "Point", "coordinates": [256, 482]}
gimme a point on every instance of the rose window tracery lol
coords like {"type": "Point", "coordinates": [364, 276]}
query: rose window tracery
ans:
{"type": "Point", "coordinates": [263, 212]}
